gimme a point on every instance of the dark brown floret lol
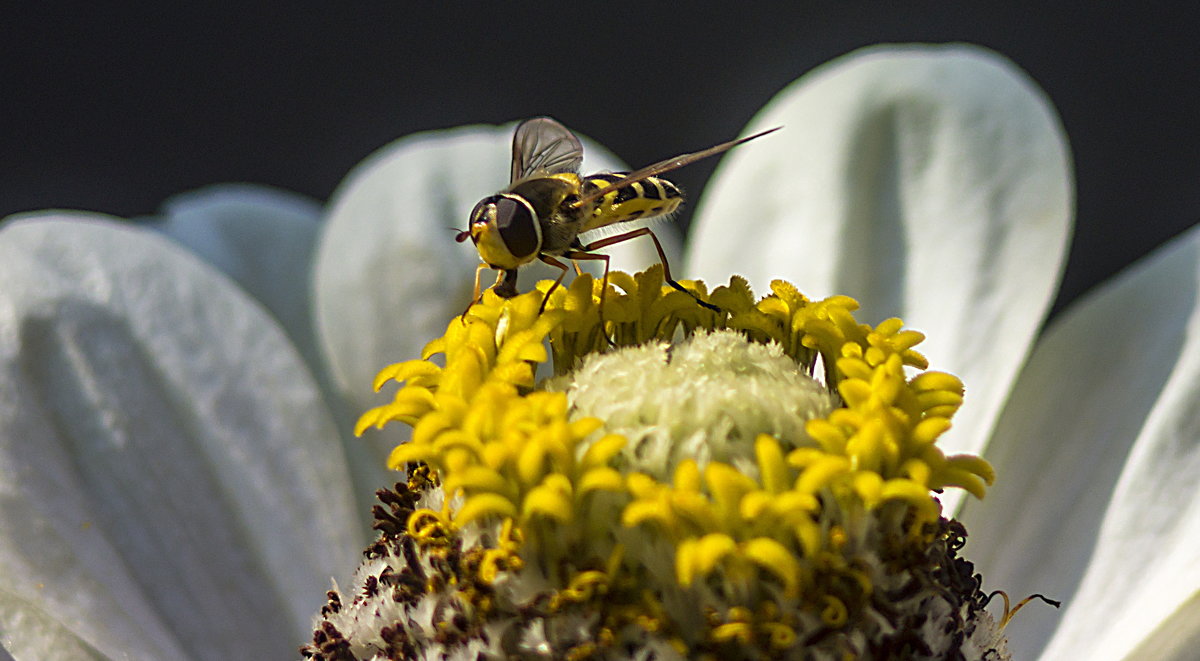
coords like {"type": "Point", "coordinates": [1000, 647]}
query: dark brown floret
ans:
{"type": "Point", "coordinates": [328, 645]}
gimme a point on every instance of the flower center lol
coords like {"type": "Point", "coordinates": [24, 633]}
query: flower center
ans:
{"type": "Point", "coordinates": [697, 491]}
{"type": "Point", "coordinates": [706, 398]}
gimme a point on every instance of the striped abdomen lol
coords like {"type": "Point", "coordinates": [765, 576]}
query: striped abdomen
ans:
{"type": "Point", "coordinates": [641, 199]}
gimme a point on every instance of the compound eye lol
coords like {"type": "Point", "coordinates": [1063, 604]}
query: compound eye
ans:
{"type": "Point", "coordinates": [480, 213]}
{"type": "Point", "coordinates": [518, 227]}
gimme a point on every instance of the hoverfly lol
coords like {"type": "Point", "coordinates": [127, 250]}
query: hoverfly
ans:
{"type": "Point", "coordinates": [547, 205]}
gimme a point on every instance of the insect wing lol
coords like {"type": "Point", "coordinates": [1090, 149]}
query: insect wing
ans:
{"type": "Point", "coordinates": [668, 165]}
{"type": "Point", "coordinates": [543, 146]}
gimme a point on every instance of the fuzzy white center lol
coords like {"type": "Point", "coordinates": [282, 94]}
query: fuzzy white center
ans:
{"type": "Point", "coordinates": [706, 398]}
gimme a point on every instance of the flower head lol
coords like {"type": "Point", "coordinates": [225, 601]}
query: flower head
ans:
{"type": "Point", "coordinates": [691, 490]}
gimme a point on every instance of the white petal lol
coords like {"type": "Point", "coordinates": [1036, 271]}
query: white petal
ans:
{"type": "Point", "coordinates": [265, 239]}
{"type": "Point", "coordinates": [31, 633]}
{"type": "Point", "coordinates": [1097, 454]}
{"type": "Point", "coordinates": [389, 275]}
{"type": "Point", "coordinates": [172, 481]}
{"type": "Point", "coordinates": [929, 182]}
{"type": "Point", "coordinates": [261, 237]}
{"type": "Point", "coordinates": [1176, 638]}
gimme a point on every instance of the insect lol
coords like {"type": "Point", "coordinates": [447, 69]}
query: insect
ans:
{"type": "Point", "coordinates": [548, 204]}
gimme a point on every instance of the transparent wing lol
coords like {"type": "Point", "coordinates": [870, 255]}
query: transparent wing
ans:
{"type": "Point", "coordinates": [663, 167]}
{"type": "Point", "coordinates": [543, 145]}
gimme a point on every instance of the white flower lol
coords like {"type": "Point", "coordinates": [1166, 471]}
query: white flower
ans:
{"type": "Point", "coordinates": [172, 480]}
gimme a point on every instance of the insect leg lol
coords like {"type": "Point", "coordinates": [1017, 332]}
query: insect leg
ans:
{"type": "Point", "coordinates": [575, 256]}
{"type": "Point", "coordinates": [478, 272]}
{"type": "Point", "coordinates": [608, 241]}
{"type": "Point", "coordinates": [556, 264]}
{"type": "Point", "coordinates": [475, 294]}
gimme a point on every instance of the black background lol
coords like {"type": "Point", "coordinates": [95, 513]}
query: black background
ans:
{"type": "Point", "coordinates": [114, 108]}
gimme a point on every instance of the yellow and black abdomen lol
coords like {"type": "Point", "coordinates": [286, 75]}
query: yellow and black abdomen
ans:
{"type": "Point", "coordinates": [649, 197]}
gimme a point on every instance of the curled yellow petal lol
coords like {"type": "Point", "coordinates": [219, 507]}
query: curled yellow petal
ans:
{"type": "Point", "coordinates": [710, 550]}
{"type": "Point", "coordinates": [835, 614]}
{"type": "Point", "coordinates": [531, 463]}
{"type": "Point", "coordinates": [794, 504]}
{"type": "Point", "coordinates": [830, 436]}
{"type": "Point", "coordinates": [820, 473]}
{"type": "Point", "coordinates": [375, 417]}
{"type": "Point", "coordinates": [918, 471]}
{"type": "Point", "coordinates": [643, 511]}
{"type": "Point", "coordinates": [914, 494]}
{"type": "Point", "coordinates": [694, 509]}
{"type": "Point", "coordinates": [404, 371]}
{"type": "Point", "coordinates": [687, 476]}
{"type": "Point", "coordinates": [601, 479]}
{"type": "Point", "coordinates": [781, 635]}
{"type": "Point", "coordinates": [856, 392]}
{"type": "Point", "coordinates": [430, 425]}
{"type": "Point", "coordinates": [741, 632]}
{"type": "Point", "coordinates": [973, 464]}
{"type": "Point", "coordinates": [685, 562]}
{"type": "Point", "coordinates": [773, 470]}
{"type": "Point", "coordinates": [584, 427]}
{"type": "Point", "coordinates": [948, 476]}
{"type": "Point", "coordinates": [549, 501]}
{"type": "Point", "coordinates": [937, 381]}
{"type": "Point", "coordinates": [776, 559]}
{"type": "Point", "coordinates": [938, 398]}
{"type": "Point", "coordinates": [754, 505]}
{"type": "Point", "coordinates": [600, 452]}
{"type": "Point", "coordinates": [727, 485]}
{"type": "Point", "coordinates": [479, 479]}
{"type": "Point", "coordinates": [928, 430]}
{"type": "Point", "coordinates": [869, 487]}
{"type": "Point", "coordinates": [482, 506]}
{"type": "Point", "coordinates": [406, 453]}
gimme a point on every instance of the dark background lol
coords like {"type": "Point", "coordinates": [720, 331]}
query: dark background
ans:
{"type": "Point", "coordinates": [115, 109]}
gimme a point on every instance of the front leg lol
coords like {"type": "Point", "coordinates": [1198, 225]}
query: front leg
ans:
{"type": "Point", "coordinates": [474, 293]}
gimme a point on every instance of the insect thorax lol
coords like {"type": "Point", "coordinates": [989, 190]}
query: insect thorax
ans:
{"type": "Point", "coordinates": [647, 198]}
{"type": "Point", "coordinates": [550, 196]}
